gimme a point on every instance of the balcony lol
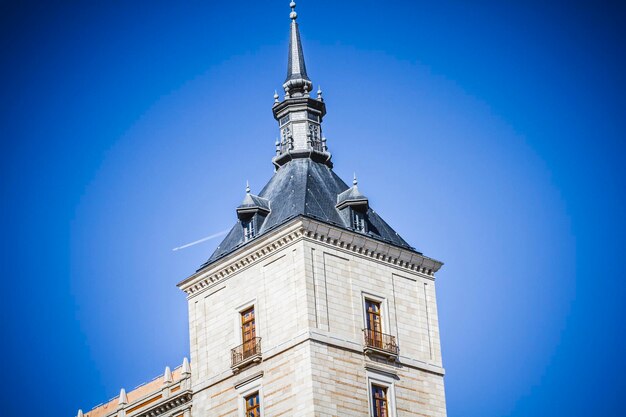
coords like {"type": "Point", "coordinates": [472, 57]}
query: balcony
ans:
{"type": "Point", "coordinates": [247, 353]}
{"type": "Point", "coordinates": [380, 344]}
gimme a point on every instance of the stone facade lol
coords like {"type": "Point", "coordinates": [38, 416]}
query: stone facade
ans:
{"type": "Point", "coordinates": [308, 291]}
{"type": "Point", "coordinates": [312, 305]}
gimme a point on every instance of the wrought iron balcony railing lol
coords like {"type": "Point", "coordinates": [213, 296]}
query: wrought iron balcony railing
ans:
{"type": "Point", "coordinates": [377, 342]}
{"type": "Point", "coordinates": [242, 355]}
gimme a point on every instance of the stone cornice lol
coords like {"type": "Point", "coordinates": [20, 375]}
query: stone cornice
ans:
{"type": "Point", "coordinates": [243, 258]}
{"type": "Point", "coordinates": [368, 247]}
{"type": "Point", "coordinates": [299, 229]}
{"type": "Point", "coordinates": [171, 403]}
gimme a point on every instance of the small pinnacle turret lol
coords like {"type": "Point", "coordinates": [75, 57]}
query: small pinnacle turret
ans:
{"type": "Point", "coordinates": [186, 369]}
{"type": "Point", "coordinates": [123, 400]}
{"type": "Point", "coordinates": [167, 376]}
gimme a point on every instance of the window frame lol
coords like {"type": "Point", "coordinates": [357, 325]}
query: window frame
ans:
{"type": "Point", "coordinates": [384, 313]}
{"type": "Point", "coordinates": [361, 217]}
{"type": "Point", "coordinates": [248, 227]}
{"type": "Point", "coordinates": [383, 381]}
{"type": "Point", "coordinates": [374, 388]}
{"type": "Point", "coordinates": [247, 389]}
{"type": "Point", "coordinates": [246, 398]}
{"type": "Point", "coordinates": [243, 322]}
{"type": "Point", "coordinates": [378, 313]}
{"type": "Point", "coordinates": [284, 120]}
{"type": "Point", "coordinates": [237, 319]}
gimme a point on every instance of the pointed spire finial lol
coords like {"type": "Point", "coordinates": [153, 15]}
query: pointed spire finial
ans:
{"type": "Point", "coordinates": [123, 398]}
{"type": "Point", "coordinates": [297, 82]}
{"type": "Point", "coordinates": [293, 15]}
{"type": "Point", "coordinates": [319, 93]}
{"type": "Point", "coordinates": [247, 187]}
{"type": "Point", "coordinates": [355, 181]}
{"type": "Point", "coordinates": [186, 369]}
{"type": "Point", "coordinates": [275, 96]}
{"type": "Point", "coordinates": [80, 413]}
{"type": "Point", "coordinates": [167, 375]}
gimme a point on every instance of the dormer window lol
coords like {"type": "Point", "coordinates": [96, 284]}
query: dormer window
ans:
{"type": "Point", "coordinates": [248, 229]}
{"type": "Point", "coordinates": [252, 213]}
{"type": "Point", "coordinates": [353, 207]}
{"type": "Point", "coordinates": [358, 221]}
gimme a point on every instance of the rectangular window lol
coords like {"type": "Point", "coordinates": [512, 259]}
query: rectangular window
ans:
{"type": "Point", "coordinates": [380, 401]}
{"type": "Point", "coordinates": [284, 120]}
{"type": "Point", "coordinates": [313, 116]}
{"type": "Point", "coordinates": [374, 323]}
{"type": "Point", "coordinates": [253, 405]}
{"type": "Point", "coordinates": [248, 229]}
{"type": "Point", "coordinates": [248, 333]}
{"type": "Point", "coordinates": [382, 396]}
{"type": "Point", "coordinates": [358, 221]}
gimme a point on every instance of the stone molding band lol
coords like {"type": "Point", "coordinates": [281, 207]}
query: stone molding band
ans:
{"type": "Point", "coordinates": [312, 230]}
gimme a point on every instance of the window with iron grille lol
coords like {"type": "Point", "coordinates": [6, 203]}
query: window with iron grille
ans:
{"type": "Point", "coordinates": [253, 405]}
{"type": "Point", "coordinates": [380, 401]}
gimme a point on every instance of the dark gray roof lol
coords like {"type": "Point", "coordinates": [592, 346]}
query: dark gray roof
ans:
{"type": "Point", "coordinates": [306, 188]}
{"type": "Point", "coordinates": [254, 201]}
{"type": "Point", "coordinates": [351, 194]}
{"type": "Point", "coordinates": [296, 68]}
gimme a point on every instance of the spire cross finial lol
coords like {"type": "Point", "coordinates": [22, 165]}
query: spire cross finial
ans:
{"type": "Point", "coordinates": [293, 15]}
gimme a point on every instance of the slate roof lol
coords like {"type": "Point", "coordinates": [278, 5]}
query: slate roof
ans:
{"type": "Point", "coordinates": [306, 188]}
{"type": "Point", "coordinates": [296, 67]}
{"type": "Point", "coordinates": [351, 194]}
{"type": "Point", "coordinates": [254, 201]}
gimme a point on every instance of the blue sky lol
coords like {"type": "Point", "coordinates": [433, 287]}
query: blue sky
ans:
{"type": "Point", "coordinates": [490, 135]}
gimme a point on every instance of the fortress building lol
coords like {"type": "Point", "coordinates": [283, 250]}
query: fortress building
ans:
{"type": "Point", "coordinates": [312, 305]}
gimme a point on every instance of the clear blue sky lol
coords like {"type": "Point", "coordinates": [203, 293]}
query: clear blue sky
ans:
{"type": "Point", "coordinates": [490, 135]}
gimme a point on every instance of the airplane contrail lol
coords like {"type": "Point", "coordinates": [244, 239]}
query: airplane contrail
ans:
{"type": "Point", "coordinates": [204, 239]}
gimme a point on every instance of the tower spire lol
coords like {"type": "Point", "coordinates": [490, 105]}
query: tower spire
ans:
{"type": "Point", "coordinates": [299, 115]}
{"type": "Point", "coordinates": [297, 83]}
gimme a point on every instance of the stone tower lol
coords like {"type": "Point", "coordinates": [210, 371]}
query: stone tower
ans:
{"type": "Point", "coordinates": [312, 305]}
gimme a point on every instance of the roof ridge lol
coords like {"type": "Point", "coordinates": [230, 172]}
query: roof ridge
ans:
{"type": "Point", "coordinates": [306, 187]}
